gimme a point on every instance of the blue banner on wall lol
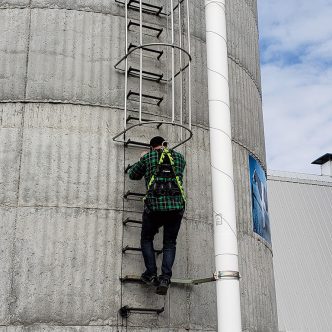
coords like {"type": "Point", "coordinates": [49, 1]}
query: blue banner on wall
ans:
{"type": "Point", "coordinates": [260, 208]}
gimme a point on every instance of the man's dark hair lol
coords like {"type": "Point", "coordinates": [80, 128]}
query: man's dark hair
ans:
{"type": "Point", "coordinates": [156, 141]}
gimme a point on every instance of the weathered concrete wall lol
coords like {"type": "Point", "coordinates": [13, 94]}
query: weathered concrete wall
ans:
{"type": "Point", "coordinates": [258, 300]}
{"type": "Point", "coordinates": [62, 179]}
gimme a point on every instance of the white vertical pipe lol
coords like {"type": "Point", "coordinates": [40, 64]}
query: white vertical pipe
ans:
{"type": "Point", "coordinates": [225, 237]}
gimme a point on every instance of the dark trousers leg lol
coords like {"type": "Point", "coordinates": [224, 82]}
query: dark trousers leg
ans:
{"type": "Point", "coordinates": [149, 230]}
{"type": "Point", "coordinates": [172, 223]}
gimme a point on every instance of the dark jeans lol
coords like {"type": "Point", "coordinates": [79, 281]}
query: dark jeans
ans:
{"type": "Point", "coordinates": [152, 221]}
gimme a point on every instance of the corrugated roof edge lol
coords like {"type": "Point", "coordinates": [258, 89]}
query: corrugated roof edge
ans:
{"type": "Point", "coordinates": [299, 178]}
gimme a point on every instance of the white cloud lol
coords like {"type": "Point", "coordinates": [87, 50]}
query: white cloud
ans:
{"type": "Point", "coordinates": [295, 22]}
{"type": "Point", "coordinates": [296, 39]}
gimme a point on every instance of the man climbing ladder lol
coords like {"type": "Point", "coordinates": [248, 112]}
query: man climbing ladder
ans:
{"type": "Point", "coordinates": [164, 205]}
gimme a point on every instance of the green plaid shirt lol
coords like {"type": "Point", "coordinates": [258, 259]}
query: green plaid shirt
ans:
{"type": "Point", "coordinates": [146, 167]}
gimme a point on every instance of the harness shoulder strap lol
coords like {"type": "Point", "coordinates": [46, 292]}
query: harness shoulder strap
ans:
{"type": "Point", "coordinates": [161, 159]}
{"type": "Point", "coordinates": [178, 182]}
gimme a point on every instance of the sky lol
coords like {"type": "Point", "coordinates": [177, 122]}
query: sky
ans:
{"type": "Point", "coordinates": [296, 69]}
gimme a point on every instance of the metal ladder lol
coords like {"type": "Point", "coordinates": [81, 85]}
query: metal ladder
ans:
{"type": "Point", "coordinates": [172, 71]}
{"type": "Point", "coordinates": [156, 62]}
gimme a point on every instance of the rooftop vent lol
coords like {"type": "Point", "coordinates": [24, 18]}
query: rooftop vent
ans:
{"type": "Point", "coordinates": [326, 164]}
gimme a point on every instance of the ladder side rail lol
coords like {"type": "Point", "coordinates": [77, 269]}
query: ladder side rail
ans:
{"type": "Point", "coordinates": [172, 59]}
{"type": "Point", "coordinates": [180, 60]}
{"type": "Point", "coordinates": [179, 3]}
{"type": "Point", "coordinates": [126, 66]}
{"type": "Point", "coordinates": [189, 67]}
{"type": "Point", "coordinates": [140, 60]}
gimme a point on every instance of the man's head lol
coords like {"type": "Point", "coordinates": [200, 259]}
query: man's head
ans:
{"type": "Point", "coordinates": [157, 142]}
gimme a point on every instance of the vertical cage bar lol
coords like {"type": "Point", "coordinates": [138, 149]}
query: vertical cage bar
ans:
{"type": "Point", "coordinates": [140, 60]}
{"type": "Point", "coordinates": [189, 66]}
{"type": "Point", "coordinates": [126, 65]}
{"type": "Point", "coordinates": [181, 74]}
{"type": "Point", "coordinates": [173, 83]}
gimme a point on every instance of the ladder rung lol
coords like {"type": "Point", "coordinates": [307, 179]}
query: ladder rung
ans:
{"type": "Point", "coordinates": [174, 281]}
{"type": "Point", "coordinates": [132, 221]}
{"type": "Point", "coordinates": [130, 193]}
{"type": "Point", "coordinates": [148, 49]}
{"type": "Point", "coordinates": [128, 248]}
{"type": "Point", "coordinates": [127, 169]}
{"type": "Point", "coordinates": [145, 26]}
{"type": "Point", "coordinates": [147, 75]}
{"type": "Point", "coordinates": [129, 118]}
{"type": "Point", "coordinates": [130, 142]}
{"type": "Point", "coordinates": [125, 310]}
{"type": "Point", "coordinates": [146, 7]}
{"type": "Point", "coordinates": [159, 99]}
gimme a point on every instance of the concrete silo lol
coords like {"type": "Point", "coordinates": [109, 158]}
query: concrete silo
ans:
{"type": "Point", "coordinates": [62, 178]}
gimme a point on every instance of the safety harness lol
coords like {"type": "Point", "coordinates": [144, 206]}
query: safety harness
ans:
{"type": "Point", "coordinates": [165, 172]}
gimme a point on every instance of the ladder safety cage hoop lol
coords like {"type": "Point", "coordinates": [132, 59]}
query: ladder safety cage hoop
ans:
{"type": "Point", "coordinates": [116, 138]}
{"type": "Point", "coordinates": [159, 48]}
{"type": "Point", "coordinates": [146, 47]}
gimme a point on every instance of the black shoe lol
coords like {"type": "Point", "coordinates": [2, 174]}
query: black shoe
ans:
{"type": "Point", "coordinates": [163, 286]}
{"type": "Point", "coordinates": [150, 279]}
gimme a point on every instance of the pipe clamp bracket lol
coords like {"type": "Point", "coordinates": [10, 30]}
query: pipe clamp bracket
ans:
{"type": "Point", "coordinates": [226, 275]}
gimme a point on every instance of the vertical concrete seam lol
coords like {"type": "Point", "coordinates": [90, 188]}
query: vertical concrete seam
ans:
{"type": "Point", "coordinates": [1, 116]}
{"type": "Point", "coordinates": [12, 294]}
{"type": "Point", "coordinates": [188, 290]}
{"type": "Point", "coordinates": [20, 156]}
{"type": "Point", "coordinates": [28, 51]}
